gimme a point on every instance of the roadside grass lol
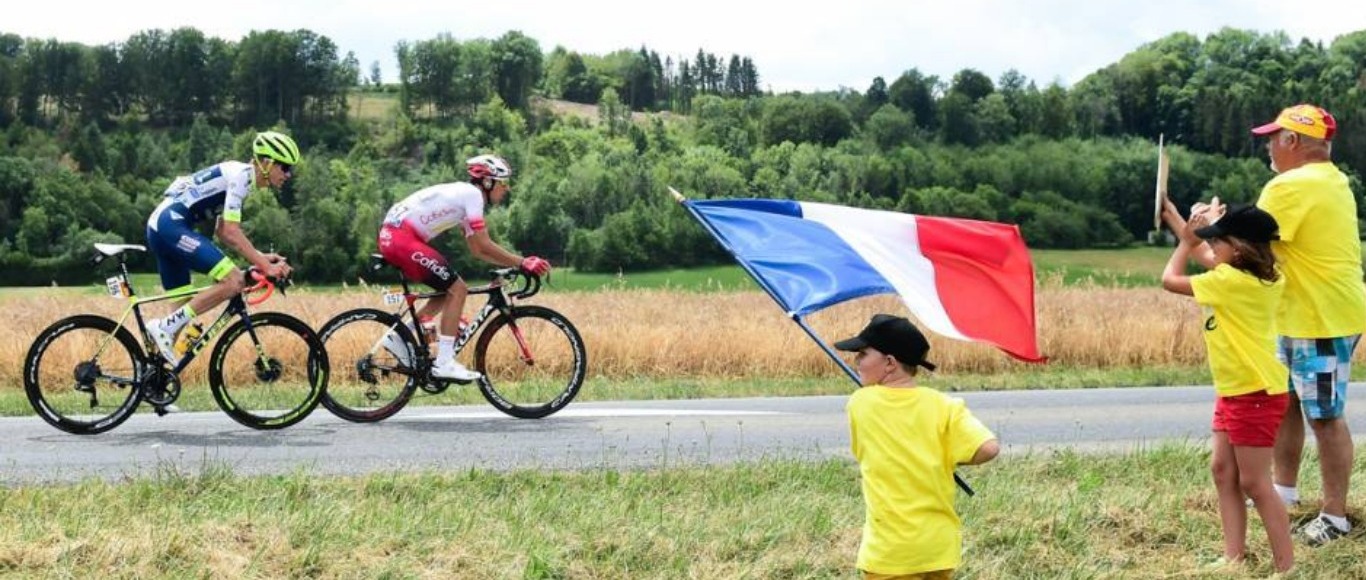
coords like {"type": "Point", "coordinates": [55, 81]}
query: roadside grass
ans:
{"type": "Point", "coordinates": [1124, 267]}
{"type": "Point", "coordinates": [706, 279]}
{"type": "Point", "coordinates": [1147, 513]}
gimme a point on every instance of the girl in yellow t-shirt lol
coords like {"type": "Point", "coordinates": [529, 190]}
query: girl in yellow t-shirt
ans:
{"type": "Point", "coordinates": [1239, 298]}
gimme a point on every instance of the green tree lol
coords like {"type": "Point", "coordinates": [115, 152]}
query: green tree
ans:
{"type": "Point", "coordinates": [914, 92]}
{"type": "Point", "coordinates": [517, 65]}
{"type": "Point", "coordinates": [889, 127]}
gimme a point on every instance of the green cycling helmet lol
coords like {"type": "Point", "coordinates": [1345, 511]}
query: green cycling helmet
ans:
{"type": "Point", "coordinates": [277, 146]}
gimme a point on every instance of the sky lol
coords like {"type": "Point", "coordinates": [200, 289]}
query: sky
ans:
{"type": "Point", "coordinates": [800, 46]}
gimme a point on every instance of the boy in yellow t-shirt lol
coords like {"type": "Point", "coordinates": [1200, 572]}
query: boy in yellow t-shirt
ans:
{"type": "Point", "coordinates": [1240, 296]}
{"type": "Point", "coordinates": [907, 441]}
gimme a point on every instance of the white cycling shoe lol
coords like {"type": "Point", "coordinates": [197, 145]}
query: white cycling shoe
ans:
{"type": "Point", "coordinates": [165, 342]}
{"type": "Point", "coordinates": [455, 371]}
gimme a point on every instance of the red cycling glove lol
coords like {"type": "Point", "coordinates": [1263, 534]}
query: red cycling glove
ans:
{"type": "Point", "coordinates": [535, 265]}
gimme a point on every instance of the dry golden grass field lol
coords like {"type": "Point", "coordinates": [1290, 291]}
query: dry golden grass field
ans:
{"type": "Point", "coordinates": [664, 334]}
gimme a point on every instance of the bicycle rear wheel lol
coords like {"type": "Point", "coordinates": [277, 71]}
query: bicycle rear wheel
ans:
{"type": "Point", "coordinates": [374, 377]}
{"type": "Point", "coordinates": [269, 374]}
{"type": "Point", "coordinates": [81, 374]}
{"type": "Point", "coordinates": [533, 363]}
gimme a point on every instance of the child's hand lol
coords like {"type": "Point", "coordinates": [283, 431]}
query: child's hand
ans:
{"type": "Point", "coordinates": [1215, 210]}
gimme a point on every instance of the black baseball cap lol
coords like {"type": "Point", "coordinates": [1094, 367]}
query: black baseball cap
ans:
{"type": "Point", "coordinates": [893, 335]}
{"type": "Point", "coordinates": [1248, 222]}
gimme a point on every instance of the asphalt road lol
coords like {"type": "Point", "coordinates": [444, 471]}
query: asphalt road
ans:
{"type": "Point", "coordinates": [637, 434]}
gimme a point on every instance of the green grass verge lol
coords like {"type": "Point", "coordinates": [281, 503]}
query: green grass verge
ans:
{"type": "Point", "coordinates": [1127, 267]}
{"type": "Point", "coordinates": [1035, 515]}
{"type": "Point", "coordinates": [1133, 267]}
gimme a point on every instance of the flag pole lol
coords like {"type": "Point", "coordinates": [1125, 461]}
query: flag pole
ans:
{"type": "Point", "coordinates": [797, 318]}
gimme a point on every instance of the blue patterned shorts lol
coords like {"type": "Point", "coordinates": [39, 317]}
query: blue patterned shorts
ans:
{"type": "Point", "coordinates": [1319, 370]}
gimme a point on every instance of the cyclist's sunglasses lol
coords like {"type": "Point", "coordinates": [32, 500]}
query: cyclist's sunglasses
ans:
{"type": "Point", "coordinates": [286, 168]}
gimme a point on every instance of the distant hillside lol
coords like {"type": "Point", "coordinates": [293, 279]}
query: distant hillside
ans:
{"type": "Point", "coordinates": [374, 106]}
{"type": "Point", "coordinates": [590, 112]}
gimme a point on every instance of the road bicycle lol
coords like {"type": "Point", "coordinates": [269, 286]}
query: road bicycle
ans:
{"type": "Point", "coordinates": [532, 358]}
{"type": "Point", "coordinates": [86, 374]}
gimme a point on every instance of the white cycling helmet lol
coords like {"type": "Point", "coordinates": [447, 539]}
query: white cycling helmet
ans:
{"type": "Point", "coordinates": [489, 166]}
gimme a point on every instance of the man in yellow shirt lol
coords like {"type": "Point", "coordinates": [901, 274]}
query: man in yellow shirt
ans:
{"type": "Point", "coordinates": [1323, 312]}
{"type": "Point", "coordinates": [907, 441]}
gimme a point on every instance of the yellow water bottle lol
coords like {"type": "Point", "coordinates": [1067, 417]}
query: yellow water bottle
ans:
{"type": "Point", "coordinates": [187, 338]}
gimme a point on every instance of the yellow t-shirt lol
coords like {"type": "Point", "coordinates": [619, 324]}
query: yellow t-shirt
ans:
{"type": "Point", "coordinates": [1240, 330]}
{"type": "Point", "coordinates": [907, 442]}
{"type": "Point", "coordinates": [1319, 251]}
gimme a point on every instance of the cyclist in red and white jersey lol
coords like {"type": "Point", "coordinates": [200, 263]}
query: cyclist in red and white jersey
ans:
{"type": "Point", "coordinates": [414, 221]}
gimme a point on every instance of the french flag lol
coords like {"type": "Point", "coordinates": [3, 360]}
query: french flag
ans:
{"type": "Point", "coordinates": [965, 279]}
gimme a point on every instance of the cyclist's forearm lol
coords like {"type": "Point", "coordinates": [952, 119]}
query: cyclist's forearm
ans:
{"type": "Point", "coordinates": [498, 256]}
{"type": "Point", "coordinates": [495, 254]}
{"type": "Point", "coordinates": [232, 236]}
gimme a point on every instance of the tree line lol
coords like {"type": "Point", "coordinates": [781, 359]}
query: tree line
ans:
{"type": "Point", "coordinates": [92, 135]}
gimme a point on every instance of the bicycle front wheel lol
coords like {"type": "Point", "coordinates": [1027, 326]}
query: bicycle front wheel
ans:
{"type": "Point", "coordinates": [81, 374]}
{"type": "Point", "coordinates": [269, 373]}
{"type": "Point", "coordinates": [375, 355]}
{"type": "Point", "coordinates": [533, 362]}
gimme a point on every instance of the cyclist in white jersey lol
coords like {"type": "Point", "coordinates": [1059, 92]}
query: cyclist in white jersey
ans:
{"type": "Point", "coordinates": [217, 191]}
{"type": "Point", "coordinates": [425, 214]}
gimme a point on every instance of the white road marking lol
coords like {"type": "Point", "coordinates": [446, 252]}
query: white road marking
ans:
{"type": "Point", "coordinates": [582, 412]}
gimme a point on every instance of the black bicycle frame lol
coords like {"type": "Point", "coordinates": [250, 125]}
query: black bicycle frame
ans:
{"type": "Point", "coordinates": [497, 301]}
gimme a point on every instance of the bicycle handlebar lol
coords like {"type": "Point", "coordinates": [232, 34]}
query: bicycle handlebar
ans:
{"type": "Point", "coordinates": [531, 283]}
{"type": "Point", "coordinates": [262, 281]}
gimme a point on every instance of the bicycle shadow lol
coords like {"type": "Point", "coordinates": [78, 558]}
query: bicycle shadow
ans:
{"type": "Point", "coordinates": [298, 436]}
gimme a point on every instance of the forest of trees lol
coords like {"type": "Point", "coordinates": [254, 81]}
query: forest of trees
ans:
{"type": "Point", "coordinates": [91, 135]}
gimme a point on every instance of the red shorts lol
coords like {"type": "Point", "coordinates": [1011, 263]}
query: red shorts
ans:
{"type": "Point", "coordinates": [403, 248]}
{"type": "Point", "coordinates": [1250, 420]}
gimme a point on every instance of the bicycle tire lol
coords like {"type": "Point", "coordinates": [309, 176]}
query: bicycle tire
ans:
{"type": "Point", "coordinates": [355, 392]}
{"type": "Point", "coordinates": [272, 401]}
{"type": "Point", "coordinates": [555, 374]}
{"type": "Point", "coordinates": [56, 393]}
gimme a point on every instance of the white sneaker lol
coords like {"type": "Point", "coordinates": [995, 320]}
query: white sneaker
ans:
{"type": "Point", "coordinates": [454, 370]}
{"type": "Point", "coordinates": [396, 346]}
{"type": "Point", "coordinates": [171, 408]}
{"type": "Point", "coordinates": [165, 342]}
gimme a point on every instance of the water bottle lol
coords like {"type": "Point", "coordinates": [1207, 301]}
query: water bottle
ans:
{"type": "Point", "coordinates": [187, 338]}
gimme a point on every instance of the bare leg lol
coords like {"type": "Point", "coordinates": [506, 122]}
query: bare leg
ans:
{"type": "Point", "coordinates": [1289, 450]}
{"type": "Point", "coordinates": [432, 307]}
{"type": "Point", "coordinates": [1335, 462]}
{"type": "Point", "coordinates": [218, 293]}
{"type": "Point", "coordinates": [455, 304]}
{"type": "Point", "coordinates": [1254, 478]}
{"type": "Point", "coordinates": [1232, 509]}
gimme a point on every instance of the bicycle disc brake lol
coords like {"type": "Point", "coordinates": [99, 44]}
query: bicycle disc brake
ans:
{"type": "Point", "coordinates": [270, 370]}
